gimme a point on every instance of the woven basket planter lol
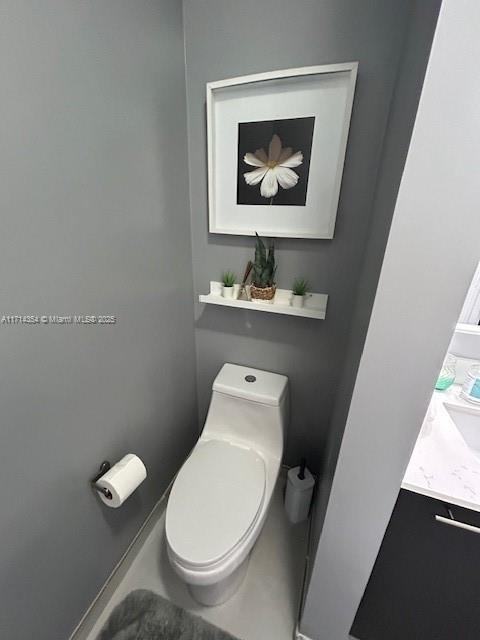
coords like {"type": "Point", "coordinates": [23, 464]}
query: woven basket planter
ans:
{"type": "Point", "coordinates": [266, 293]}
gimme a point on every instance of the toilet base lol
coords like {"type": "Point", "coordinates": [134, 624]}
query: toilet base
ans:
{"type": "Point", "coordinates": [214, 594]}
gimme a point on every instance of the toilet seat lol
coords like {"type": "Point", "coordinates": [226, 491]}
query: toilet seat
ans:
{"type": "Point", "coordinates": [214, 503]}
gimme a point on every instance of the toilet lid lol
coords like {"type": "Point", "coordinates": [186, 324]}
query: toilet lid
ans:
{"type": "Point", "coordinates": [214, 501]}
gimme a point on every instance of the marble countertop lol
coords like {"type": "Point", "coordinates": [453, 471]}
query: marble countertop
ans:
{"type": "Point", "coordinates": [442, 466]}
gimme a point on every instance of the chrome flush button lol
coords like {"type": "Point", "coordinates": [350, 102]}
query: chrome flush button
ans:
{"type": "Point", "coordinates": [250, 378]}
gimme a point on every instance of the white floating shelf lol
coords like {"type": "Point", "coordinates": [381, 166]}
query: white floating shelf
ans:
{"type": "Point", "coordinates": [315, 304]}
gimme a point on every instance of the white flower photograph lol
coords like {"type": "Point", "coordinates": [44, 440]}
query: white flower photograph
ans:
{"type": "Point", "coordinates": [276, 151]}
{"type": "Point", "coordinates": [274, 161]}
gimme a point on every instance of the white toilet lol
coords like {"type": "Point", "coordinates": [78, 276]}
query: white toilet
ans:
{"type": "Point", "coordinates": [220, 498]}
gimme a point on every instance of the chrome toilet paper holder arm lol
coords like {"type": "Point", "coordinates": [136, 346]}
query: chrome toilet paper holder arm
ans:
{"type": "Point", "coordinates": [104, 467]}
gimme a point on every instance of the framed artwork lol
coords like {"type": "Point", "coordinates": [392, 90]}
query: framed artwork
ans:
{"type": "Point", "coordinates": [276, 149]}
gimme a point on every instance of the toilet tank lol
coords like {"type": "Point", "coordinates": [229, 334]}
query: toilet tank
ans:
{"type": "Point", "coordinates": [249, 407]}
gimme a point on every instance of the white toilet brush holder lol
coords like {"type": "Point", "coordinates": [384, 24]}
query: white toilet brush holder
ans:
{"type": "Point", "coordinates": [299, 492]}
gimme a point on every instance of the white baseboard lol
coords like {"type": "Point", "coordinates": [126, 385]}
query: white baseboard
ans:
{"type": "Point", "coordinates": [300, 636]}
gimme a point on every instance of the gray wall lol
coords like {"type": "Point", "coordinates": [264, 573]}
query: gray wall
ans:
{"type": "Point", "coordinates": [421, 28]}
{"type": "Point", "coordinates": [94, 219]}
{"type": "Point", "coordinates": [432, 253]}
{"type": "Point", "coordinates": [226, 38]}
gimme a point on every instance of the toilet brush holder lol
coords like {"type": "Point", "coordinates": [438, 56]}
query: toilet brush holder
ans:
{"type": "Point", "coordinates": [299, 492]}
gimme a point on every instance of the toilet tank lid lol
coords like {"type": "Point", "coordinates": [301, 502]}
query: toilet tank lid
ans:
{"type": "Point", "coordinates": [251, 384]}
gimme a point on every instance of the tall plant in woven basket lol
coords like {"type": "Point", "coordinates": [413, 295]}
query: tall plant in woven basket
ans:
{"type": "Point", "coordinates": [263, 271]}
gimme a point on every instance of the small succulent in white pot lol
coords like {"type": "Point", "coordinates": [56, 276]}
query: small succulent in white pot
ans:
{"type": "Point", "coordinates": [228, 280]}
{"type": "Point", "coordinates": [299, 291]}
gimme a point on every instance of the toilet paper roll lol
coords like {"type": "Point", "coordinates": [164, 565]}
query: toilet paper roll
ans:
{"type": "Point", "coordinates": [122, 480]}
{"type": "Point", "coordinates": [298, 494]}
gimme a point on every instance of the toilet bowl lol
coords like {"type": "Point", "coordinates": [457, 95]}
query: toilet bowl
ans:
{"type": "Point", "coordinates": [221, 495]}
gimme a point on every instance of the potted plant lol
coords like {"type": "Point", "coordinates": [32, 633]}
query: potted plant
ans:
{"type": "Point", "coordinates": [263, 270]}
{"type": "Point", "coordinates": [299, 290]}
{"type": "Point", "coordinates": [228, 280]}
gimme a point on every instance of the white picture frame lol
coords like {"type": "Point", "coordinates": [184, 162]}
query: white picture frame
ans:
{"type": "Point", "coordinates": [324, 93]}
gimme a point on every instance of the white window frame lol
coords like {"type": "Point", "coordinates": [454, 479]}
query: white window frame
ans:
{"type": "Point", "coordinates": [471, 308]}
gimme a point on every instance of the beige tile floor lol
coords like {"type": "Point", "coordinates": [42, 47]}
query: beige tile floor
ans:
{"type": "Point", "coordinates": [266, 605]}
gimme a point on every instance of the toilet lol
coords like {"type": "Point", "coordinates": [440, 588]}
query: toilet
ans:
{"type": "Point", "coordinates": [220, 498]}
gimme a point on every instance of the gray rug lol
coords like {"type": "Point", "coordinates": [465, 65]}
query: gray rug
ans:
{"type": "Point", "coordinates": [144, 615]}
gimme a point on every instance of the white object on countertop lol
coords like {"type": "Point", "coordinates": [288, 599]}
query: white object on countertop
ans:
{"type": "Point", "coordinates": [466, 341]}
{"type": "Point", "coordinates": [122, 480]}
{"type": "Point", "coordinates": [462, 367]}
{"type": "Point", "coordinates": [471, 386]}
{"type": "Point", "coordinates": [298, 495]}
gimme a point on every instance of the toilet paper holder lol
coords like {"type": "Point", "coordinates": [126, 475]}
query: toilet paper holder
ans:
{"type": "Point", "coordinates": [104, 467]}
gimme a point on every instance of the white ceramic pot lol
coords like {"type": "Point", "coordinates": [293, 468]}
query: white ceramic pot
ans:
{"type": "Point", "coordinates": [298, 301]}
{"type": "Point", "coordinates": [236, 290]}
{"type": "Point", "coordinates": [216, 288]}
{"type": "Point", "coordinates": [227, 292]}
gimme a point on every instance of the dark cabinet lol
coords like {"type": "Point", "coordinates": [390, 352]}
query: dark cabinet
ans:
{"type": "Point", "coordinates": [425, 584]}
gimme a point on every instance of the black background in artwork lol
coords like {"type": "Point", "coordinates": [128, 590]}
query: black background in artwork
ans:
{"type": "Point", "coordinates": [294, 132]}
